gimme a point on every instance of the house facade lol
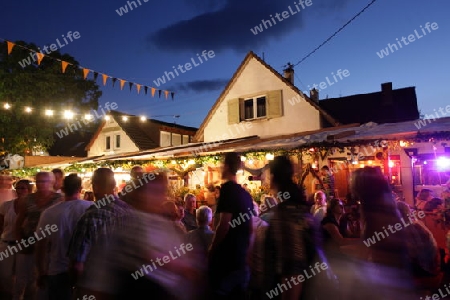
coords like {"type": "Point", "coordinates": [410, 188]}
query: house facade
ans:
{"type": "Point", "coordinates": [258, 101]}
{"type": "Point", "coordinates": [123, 133]}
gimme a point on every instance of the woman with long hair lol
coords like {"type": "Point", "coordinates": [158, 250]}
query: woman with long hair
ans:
{"type": "Point", "coordinates": [386, 267]}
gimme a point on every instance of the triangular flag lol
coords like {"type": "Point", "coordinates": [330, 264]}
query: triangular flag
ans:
{"type": "Point", "coordinates": [172, 94]}
{"type": "Point", "coordinates": [138, 87]}
{"type": "Point", "coordinates": [64, 65]}
{"type": "Point", "coordinates": [131, 85]}
{"type": "Point", "coordinates": [85, 73]}
{"type": "Point", "coordinates": [105, 77]}
{"type": "Point", "coordinates": [146, 89]}
{"type": "Point", "coordinates": [153, 92]}
{"type": "Point", "coordinates": [114, 81]}
{"type": "Point", "coordinates": [10, 46]}
{"type": "Point", "coordinates": [122, 82]}
{"type": "Point", "coordinates": [159, 93]}
{"type": "Point", "coordinates": [166, 93]}
{"type": "Point", "coordinates": [95, 76]}
{"type": "Point", "coordinates": [40, 56]}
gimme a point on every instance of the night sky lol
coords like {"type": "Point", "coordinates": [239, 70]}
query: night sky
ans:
{"type": "Point", "coordinates": [147, 41]}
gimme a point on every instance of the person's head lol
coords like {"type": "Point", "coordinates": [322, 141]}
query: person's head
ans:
{"type": "Point", "coordinates": [180, 208]}
{"type": "Point", "coordinates": [281, 172]}
{"type": "Point", "coordinates": [170, 210]}
{"type": "Point", "coordinates": [72, 185]}
{"type": "Point", "coordinates": [425, 195]}
{"type": "Point", "coordinates": [136, 172]}
{"type": "Point", "coordinates": [325, 170]}
{"type": "Point", "coordinates": [59, 177]}
{"type": "Point", "coordinates": [23, 187]}
{"type": "Point", "coordinates": [6, 182]}
{"type": "Point", "coordinates": [320, 198]}
{"type": "Point", "coordinates": [335, 207]}
{"type": "Point", "coordinates": [44, 182]}
{"type": "Point", "coordinates": [89, 196]}
{"type": "Point", "coordinates": [103, 182]}
{"type": "Point", "coordinates": [190, 202]}
{"type": "Point", "coordinates": [232, 163]}
{"type": "Point", "coordinates": [151, 193]}
{"type": "Point", "coordinates": [203, 215]}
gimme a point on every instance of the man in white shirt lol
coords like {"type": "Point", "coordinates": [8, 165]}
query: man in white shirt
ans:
{"type": "Point", "coordinates": [65, 216]}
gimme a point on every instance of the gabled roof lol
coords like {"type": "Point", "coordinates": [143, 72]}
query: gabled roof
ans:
{"type": "Point", "coordinates": [139, 132]}
{"type": "Point", "coordinates": [364, 108]}
{"type": "Point", "coordinates": [73, 144]}
{"type": "Point", "coordinates": [248, 57]}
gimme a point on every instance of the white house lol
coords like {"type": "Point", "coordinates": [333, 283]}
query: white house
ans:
{"type": "Point", "coordinates": [122, 133]}
{"type": "Point", "coordinates": [260, 101]}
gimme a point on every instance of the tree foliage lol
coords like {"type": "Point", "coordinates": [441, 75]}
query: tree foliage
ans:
{"type": "Point", "coordinates": [40, 87]}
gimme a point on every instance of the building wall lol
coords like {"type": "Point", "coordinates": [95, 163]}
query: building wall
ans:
{"type": "Point", "coordinates": [254, 79]}
{"type": "Point", "coordinates": [112, 129]}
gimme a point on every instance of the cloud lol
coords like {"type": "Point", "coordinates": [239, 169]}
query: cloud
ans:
{"type": "Point", "coordinates": [228, 27]}
{"type": "Point", "coordinates": [199, 86]}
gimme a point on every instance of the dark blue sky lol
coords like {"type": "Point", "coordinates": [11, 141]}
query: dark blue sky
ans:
{"type": "Point", "coordinates": [147, 41]}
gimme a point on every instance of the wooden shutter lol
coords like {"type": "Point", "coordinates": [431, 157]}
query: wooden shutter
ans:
{"type": "Point", "coordinates": [233, 111]}
{"type": "Point", "coordinates": [274, 104]}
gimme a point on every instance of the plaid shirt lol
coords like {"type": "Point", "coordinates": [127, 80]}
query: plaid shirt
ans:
{"type": "Point", "coordinates": [290, 244]}
{"type": "Point", "coordinates": [96, 223]}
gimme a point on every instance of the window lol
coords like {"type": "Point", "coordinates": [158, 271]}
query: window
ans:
{"type": "Point", "coordinates": [118, 141]}
{"type": "Point", "coordinates": [185, 139]}
{"type": "Point", "coordinates": [176, 139]}
{"type": "Point", "coordinates": [165, 140]}
{"type": "Point", "coordinates": [259, 106]}
{"type": "Point", "coordinates": [255, 108]}
{"type": "Point", "coordinates": [108, 143]}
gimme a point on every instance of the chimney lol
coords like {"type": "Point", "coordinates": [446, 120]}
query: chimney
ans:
{"type": "Point", "coordinates": [289, 73]}
{"type": "Point", "coordinates": [314, 95]}
{"type": "Point", "coordinates": [386, 94]}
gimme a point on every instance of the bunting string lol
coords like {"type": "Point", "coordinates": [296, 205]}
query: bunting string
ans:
{"type": "Point", "coordinates": [86, 71]}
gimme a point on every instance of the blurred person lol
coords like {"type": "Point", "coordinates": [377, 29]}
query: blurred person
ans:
{"type": "Point", "coordinates": [434, 204]}
{"type": "Point", "coordinates": [6, 188]}
{"type": "Point", "coordinates": [257, 255]}
{"type": "Point", "coordinates": [30, 210]}
{"type": "Point", "coordinates": [287, 253]}
{"type": "Point", "coordinates": [423, 197]}
{"type": "Point", "coordinates": [136, 172]}
{"type": "Point", "coordinates": [319, 209]}
{"type": "Point", "coordinates": [8, 216]}
{"type": "Point", "coordinates": [59, 177]}
{"type": "Point", "coordinates": [384, 265]}
{"type": "Point", "coordinates": [172, 213]}
{"type": "Point", "coordinates": [229, 272]}
{"type": "Point", "coordinates": [422, 247]}
{"type": "Point", "coordinates": [155, 255]}
{"type": "Point", "coordinates": [333, 240]}
{"type": "Point", "coordinates": [189, 219]}
{"type": "Point", "coordinates": [327, 181]}
{"type": "Point", "coordinates": [51, 251]}
{"type": "Point", "coordinates": [97, 223]}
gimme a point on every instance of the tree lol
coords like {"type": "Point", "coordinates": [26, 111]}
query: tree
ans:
{"type": "Point", "coordinates": [24, 84]}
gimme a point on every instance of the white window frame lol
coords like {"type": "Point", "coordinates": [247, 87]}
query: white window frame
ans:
{"type": "Point", "coordinates": [255, 107]}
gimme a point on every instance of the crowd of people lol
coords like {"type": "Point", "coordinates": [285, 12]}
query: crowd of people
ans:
{"type": "Point", "coordinates": [60, 243]}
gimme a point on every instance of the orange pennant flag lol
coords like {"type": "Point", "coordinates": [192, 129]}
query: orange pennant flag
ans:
{"type": "Point", "coordinates": [40, 56]}
{"type": "Point", "coordinates": [166, 93]}
{"type": "Point", "coordinates": [105, 77]}
{"type": "Point", "coordinates": [153, 92]}
{"type": "Point", "coordinates": [122, 83]}
{"type": "Point", "coordinates": [10, 46]}
{"type": "Point", "coordinates": [138, 87]}
{"type": "Point", "coordinates": [85, 73]}
{"type": "Point", "coordinates": [64, 65]}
